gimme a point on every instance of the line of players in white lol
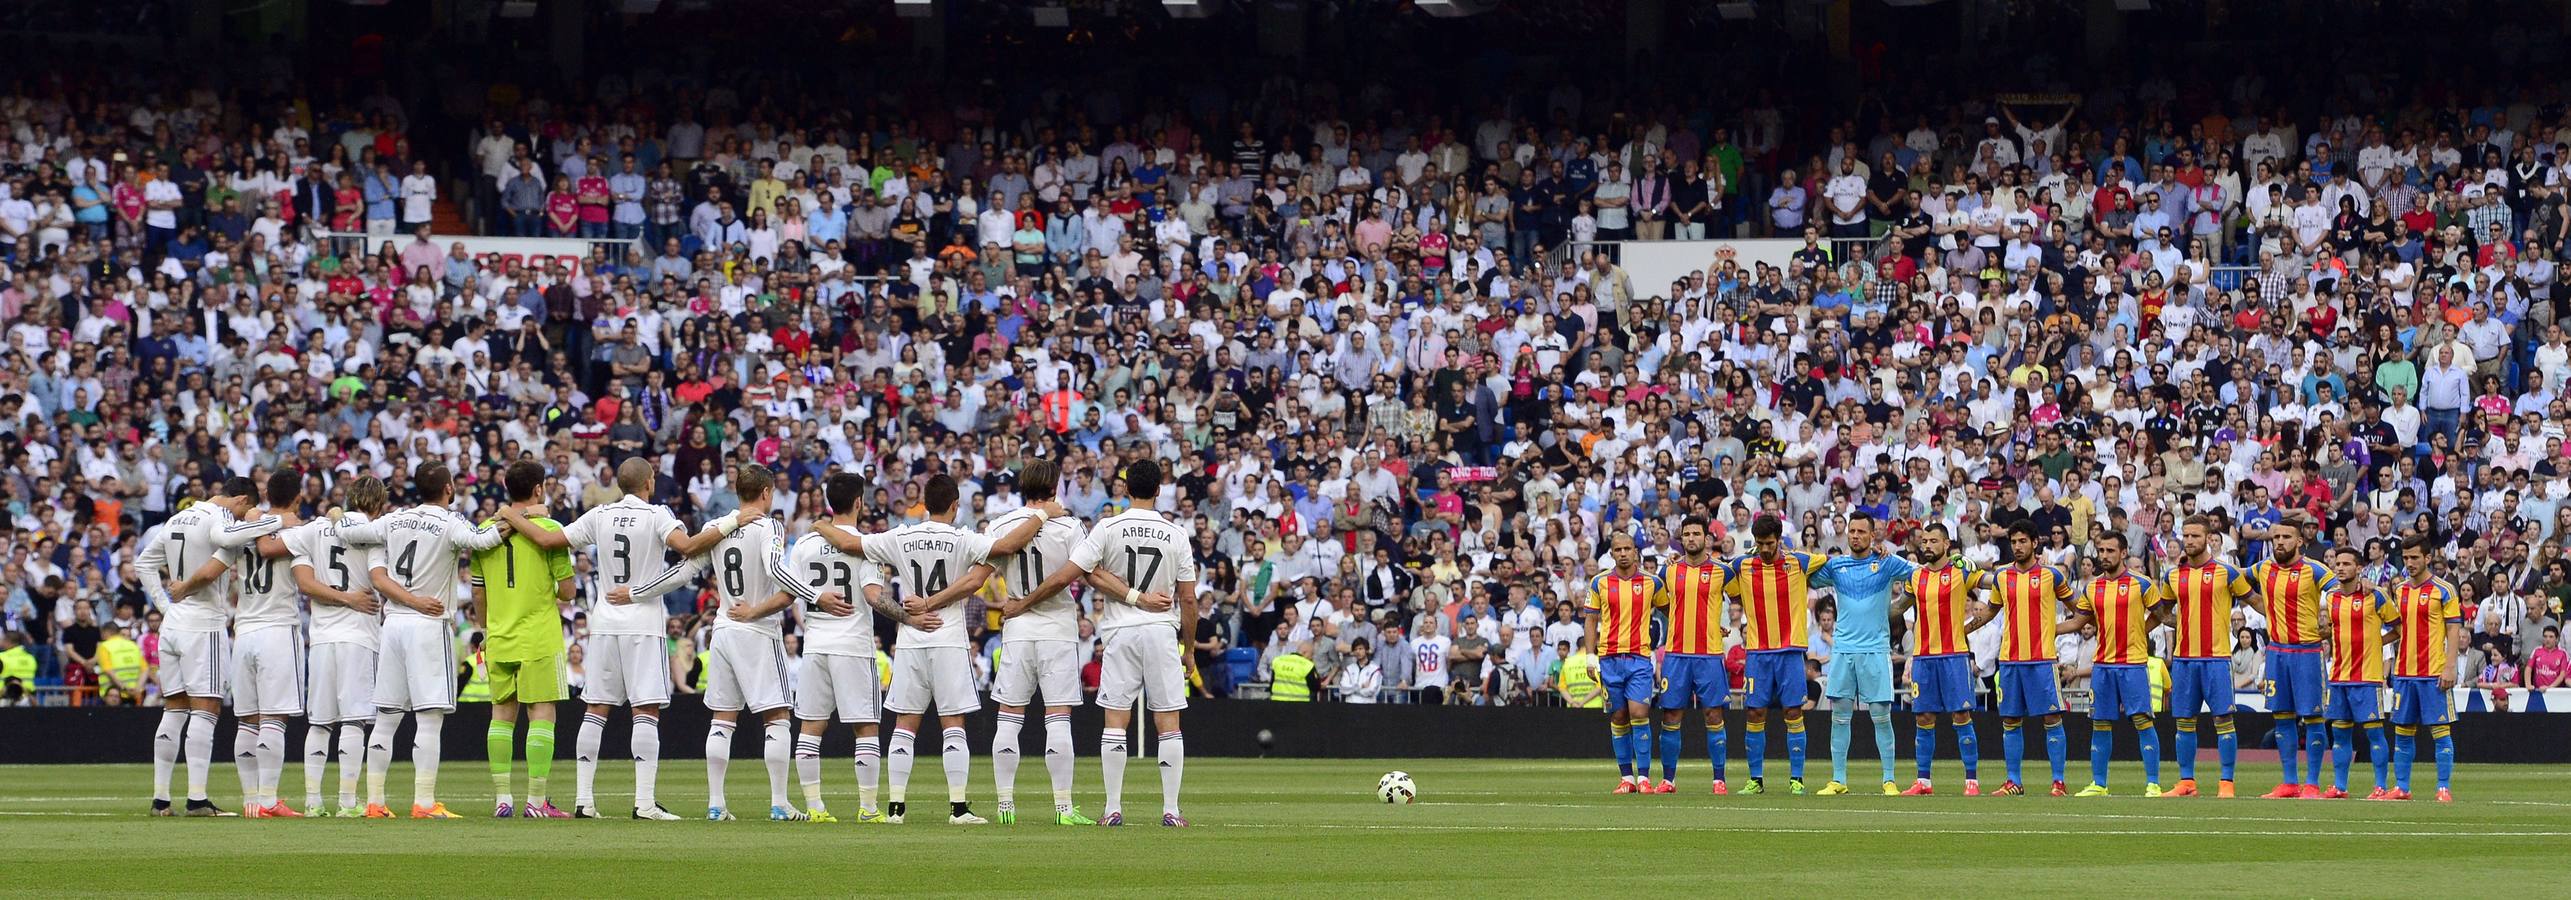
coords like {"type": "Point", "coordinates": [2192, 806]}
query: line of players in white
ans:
{"type": "Point", "coordinates": [375, 662]}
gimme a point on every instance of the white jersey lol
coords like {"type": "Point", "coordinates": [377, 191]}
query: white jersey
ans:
{"type": "Point", "coordinates": [196, 534]}
{"type": "Point", "coordinates": [1058, 618]}
{"type": "Point", "coordinates": [813, 566]}
{"type": "Point", "coordinates": [419, 549]}
{"type": "Point", "coordinates": [630, 538]}
{"type": "Point", "coordinates": [269, 598]}
{"type": "Point", "coordinates": [745, 567]}
{"type": "Point", "coordinates": [316, 545]}
{"type": "Point", "coordinates": [1150, 553]}
{"type": "Point", "coordinates": [923, 559]}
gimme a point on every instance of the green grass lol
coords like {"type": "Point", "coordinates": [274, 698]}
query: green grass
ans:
{"type": "Point", "coordinates": [1305, 827]}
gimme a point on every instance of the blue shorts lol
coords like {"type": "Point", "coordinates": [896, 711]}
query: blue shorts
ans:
{"type": "Point", "coordinates": [1945, 683]}
{"type": "Point", "coordinates": [2028, 689]}
{"type": "Point", "coordinates": [2361, 702]}
{"type": "Point", "coordinates": [2119, 689]}
{"type": "Point", "coordinates": [2419, 701]}
{"type": "Point", "coordinates": [1865, 677]}
{"type": "Point", "coordinates": [2294, 682]}
{"type": "Point", "coordinates": [1688, 679]}
{"type": "Point", "coordinates": [2196, 685]}
{"type": "Point", "coordinates": [1775, 678]}
{"type": "Point", "coordinates": [1628, 677]}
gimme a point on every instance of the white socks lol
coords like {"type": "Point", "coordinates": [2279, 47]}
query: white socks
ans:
{"type": "Point", "coordinates": [1173, 756]}
{"type": "Point", "coordinates": [427, 742]}
{"type": "Point", "coordinates": [718, 761]}
{"type": "Point", "coordinates": [199, 742]}
{"type": "Point", "coordinates": [165, 750]}
{"type": "Point", "coordinates": [870, 762]}
{"type": "Point", "coordinates": [647, 760]}
{"type": "Point", "coordinates": [1111, 756]}
{"type": "Point", "coordinates": [898, 752]}
{"type": "Point", "coordinates": [957, 755]}
{"type": "Point", "coordinates": [1004, 757]}
{"type": "Point", "coordinates": [316, 764]}
{"type": "Point", "coordinates": [272, 758]}
{"type": "Point", "coordinates": [1058, 757]}
{"type": "Point", "coordinates": [379, 754]}
{"type": "Point", "coordinates": [245, 760]}
{"type": "Point", "coordinates": [352, 758]}
{"type": "Point", "coordinates": [777, 744]}
{"type": "Point", "coordinates": [593, 727]}
{"type": "Point", "coordinates": [808, 769]}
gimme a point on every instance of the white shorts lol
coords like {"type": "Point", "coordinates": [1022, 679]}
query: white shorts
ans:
{"type": "Point", "coordinates": [268, 672]}
{"type": "Point", "coordinates": [416, 669]}
{"type": "Point", "coordinates": [943, 674]}
{"type": "Point", "coordinates": [1026, 667]}
{"type": "Point", "coordinates": [1142, 660]}
{"type": "Point", "coordinates": [835, 686]}
{"type": "Point", "coordinates": [340, 683]}
{"type": "Point", "coordinates": [194, 663]}
{"type": "Point", "coordinates": [626, 670]}
{"type": "Point", "coordinates": [748, 671]}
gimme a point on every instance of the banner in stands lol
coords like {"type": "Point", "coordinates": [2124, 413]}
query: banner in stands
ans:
{"type": "Point", "coordinates": [571, 252]}
{"type": "Point", "coordinates": [1653, 265]}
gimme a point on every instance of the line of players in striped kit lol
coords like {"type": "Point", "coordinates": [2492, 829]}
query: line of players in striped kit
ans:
{"type": "Point", "coordinates": [235, 572]}
{"type": "Point", "coordinates": [2327, 674]}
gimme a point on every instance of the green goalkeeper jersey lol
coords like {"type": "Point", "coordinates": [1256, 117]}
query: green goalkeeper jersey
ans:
{"type": "Point", "coordinates": [517, 580]}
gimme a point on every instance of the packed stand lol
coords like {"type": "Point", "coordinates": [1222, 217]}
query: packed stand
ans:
{"type": "Point", "coordinates": [1404, 397]}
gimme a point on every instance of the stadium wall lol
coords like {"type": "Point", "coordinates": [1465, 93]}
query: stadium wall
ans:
{"type": "Point", "coordinates": [1221, 728]}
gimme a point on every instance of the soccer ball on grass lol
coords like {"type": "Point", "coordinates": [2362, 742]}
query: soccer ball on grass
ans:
{"type": "Point", "coordinates": [1396, 788]}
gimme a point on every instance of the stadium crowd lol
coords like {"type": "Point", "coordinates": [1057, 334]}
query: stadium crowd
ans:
{"type": "Point", "coordinates": [1405, 397]}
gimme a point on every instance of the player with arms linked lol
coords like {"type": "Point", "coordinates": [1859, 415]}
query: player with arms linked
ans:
{"type": "Point", "coordinates": [2358, 613]}
{"type": "Point", "coordinates": [2029, 595]}
{"type": "Point", "coordinates": [1692, 672]}
{"type": "Point", "coordinates": [2201, 589]}
{"type": "Point", "coordinates": [1774, 586]}
{"type": "Point", "coordinates": [2428, 624]}
{"type": "Point", "coordinates": [1942, 590]}
{"type": "Point", "coordinates": [1618, 636]}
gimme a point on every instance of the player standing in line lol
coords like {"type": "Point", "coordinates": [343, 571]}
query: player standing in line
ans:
{"type": "Point", "coordinates": [192, 551]}
{"type": "Point", "coordinates": [2290, 586]}
{"type": "Point", "coordinates": [1618, 636]}
{"type": "Point", "coordinates": [2358, 613]}
{"type": "Point", "coordinates": [935, 563]}
{"type": "Point", "coordinates": [2029, 595]}
{"type": "Point", "coordinates": [2428, 624]}
{"type": "Point", "coordinates": [1861, 642]}
{"type": "Point", "coordinates": [2201, 590]}
{"type": "Point", "coordinates": [1941, 666]}
{"type": "Point", "coordinates": [518, 589]}
{"type": "Point", "coordinates": [415, 567]}
{"type": "Point", "coordinates": [1039, 649]}
{"type": "Point", "coordinates": [1774, 586]}
{"type": "Point", "coordinates": [1138, 629]}
{"type": "Point", "coordinates": [626, 660]}
{"type": "Point", "coordinates": [1692, 672]}
{"type": "Point", "coordinates": [267, 656]}
{"type": "Point", "coordinates": [838, 674]}
{"type": "Point", "coordinates": [2120, 603]}
{"type": "Point", "coordinates": [746, 656]}
{"type": "Point", "coordinates": [339, 690]}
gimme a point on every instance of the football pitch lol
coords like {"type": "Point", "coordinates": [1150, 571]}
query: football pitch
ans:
{"type": "Point", "coordinates": [1310, 827]}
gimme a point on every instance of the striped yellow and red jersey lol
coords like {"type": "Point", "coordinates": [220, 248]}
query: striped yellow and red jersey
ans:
{"type": "Point", "coordinates": [2291, 592]}
{"type": "Point", "coordinates": [1775, 599]}
{"type": "Point", "coordinates": [2030, 606]}
{"type": "Point", "coordinates": [1623, 605]}
{"type": "Point", "coordinates": [1695, 605]}
{"type": "Point", "coordinates": [2121, 607]}
{"type": "Point", "coordinates": [2357, 620]}
{"type": "Point", "coordinates": [1944, 598]}
{"type": "Point", "coordinates": [2203, 595]}
{"type": "Point", "coordinates": [2421, 614]}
